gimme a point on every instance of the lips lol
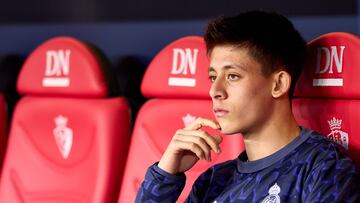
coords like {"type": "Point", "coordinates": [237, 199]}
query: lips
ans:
{"type": "Point", "coordinates": [218, 112]}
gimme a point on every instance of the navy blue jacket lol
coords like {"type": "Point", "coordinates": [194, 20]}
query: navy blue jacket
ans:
{"type": "Point", "coordinates": [311, 169]}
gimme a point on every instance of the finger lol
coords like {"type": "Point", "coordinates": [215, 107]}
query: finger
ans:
{"type": "Point", "coordinates": [218, 138]}
{"type": "Point", "coordinates": [190, 146]}
{"type": "Point", "coordinates": [210, 140]}
{"type": "Point", "coordinates": [197, 140]}
{"type": "Point", "coordinates": [200, 122]}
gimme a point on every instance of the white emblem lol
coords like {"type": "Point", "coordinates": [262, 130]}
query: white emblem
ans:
{"type": "Point", "coordinates": [337, 134]}
{"type": "Point", "coordinates": [188, 119]}
{"type": "Point", "coordinates": [332, 58]}
{"type": "Point", "coordinates": [273, 196]}
{"type": "Point", "coordinates": [57, 68]}
{"type": "Point", "coordinates": [63, 136]}
{"type": "Point", "coordinates": [184, 65]}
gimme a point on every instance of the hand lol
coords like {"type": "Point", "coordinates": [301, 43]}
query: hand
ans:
{"type": "Point", "coordinates": [189, 145]}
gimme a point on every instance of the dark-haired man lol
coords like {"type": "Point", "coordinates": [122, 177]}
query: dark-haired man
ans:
{"type": "Point", "coordinates": [255, 60]}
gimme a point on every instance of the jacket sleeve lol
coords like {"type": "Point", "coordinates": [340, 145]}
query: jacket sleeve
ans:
{"type": "Point", "coordinates": [199, 192]}
{"type": "Point", "coordinates": [160, 186]}
{"type": "Point", "coordinates": [334, 179]}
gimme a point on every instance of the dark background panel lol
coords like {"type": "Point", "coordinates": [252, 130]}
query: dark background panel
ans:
{"type": "Point", "coordinates": [21, 11]}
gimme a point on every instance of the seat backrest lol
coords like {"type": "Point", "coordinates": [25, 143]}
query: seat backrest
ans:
{"type": "Point", "coordinates": [327, 95]}
{"type": "Point", "coordinates": [177, 81]}
{"type": "Point", "coordinates": [68, 140]}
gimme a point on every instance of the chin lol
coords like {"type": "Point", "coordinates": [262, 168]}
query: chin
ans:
{"type": "Point", "coordinates": [231, 127]}
{"type": "Point", "coordinates": [227, 129]}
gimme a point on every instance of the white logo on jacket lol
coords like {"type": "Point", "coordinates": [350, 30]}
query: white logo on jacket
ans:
{"type": "Point", "coordinates": [57, 68]}
{"type": "Point", "coordinates": [273, 196]}
{"type": "Point", "coordinates": [337, 134]}
{"type": "Point", "coordinates": [63, 136]}
{"type": "Point", "coordinates": [183, 67]}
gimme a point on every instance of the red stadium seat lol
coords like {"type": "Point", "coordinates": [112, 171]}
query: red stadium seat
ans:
{"type": "Point", "coordinates": [327, 95]}
{"type": "Point", "coordinates": [177, 81]}
{"type": "Point", "coordinates": [68, 140]}
{"type": "Point", "coordinates": [3, 128]}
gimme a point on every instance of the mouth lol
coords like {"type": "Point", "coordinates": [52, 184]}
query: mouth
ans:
{"type": "Point", "coordinates": [220, 112]}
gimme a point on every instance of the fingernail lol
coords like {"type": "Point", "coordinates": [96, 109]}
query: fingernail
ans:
{"type": "Point", "coordinates": [218, 151]}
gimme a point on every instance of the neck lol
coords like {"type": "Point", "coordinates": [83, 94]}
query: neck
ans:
{"type": "Point", "coordinates": [279, 130]}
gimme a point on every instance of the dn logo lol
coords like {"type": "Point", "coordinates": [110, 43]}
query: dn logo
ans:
{"type": "Point", "coordinates": [57, 68]}
{"type": "Point", "coordinates": [332, 61]}
{"type": "Point", "coordinates": [184, 64]}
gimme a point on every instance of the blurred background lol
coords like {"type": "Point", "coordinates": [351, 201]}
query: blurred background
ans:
{"type": "Point", "coordinates": [141, 28]}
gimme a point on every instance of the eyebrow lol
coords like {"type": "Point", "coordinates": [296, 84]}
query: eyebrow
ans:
{"type": "Point", "coordinates": [227, 67]}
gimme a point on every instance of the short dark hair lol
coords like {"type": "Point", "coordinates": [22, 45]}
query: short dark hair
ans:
{"type": "Point", "coordinates": [269, 37]}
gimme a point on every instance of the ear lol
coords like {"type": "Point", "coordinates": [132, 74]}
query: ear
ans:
{"type": "Point", "coordinates": [281, 83]}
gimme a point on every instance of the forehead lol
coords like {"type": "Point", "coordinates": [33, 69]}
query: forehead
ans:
{"type": "Point", "coordinates": [225, 56]}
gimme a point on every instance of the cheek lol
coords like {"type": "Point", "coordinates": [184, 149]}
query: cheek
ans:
{"type": "Point", "coordinates": [250, 98]}
{"type": "Point", "coordinates": [242, 97]}
{"type": "Point", "coordinates": [262, 101]}
{"type": "Point", "coordinates": [261, 89]}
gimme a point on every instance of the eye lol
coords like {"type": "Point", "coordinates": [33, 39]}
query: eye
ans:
{"type": "Point", "coordinates": [212, 78]}
{"type": "Point", "coordinates": [233, 77]}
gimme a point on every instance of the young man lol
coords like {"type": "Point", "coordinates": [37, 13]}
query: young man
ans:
{"type": "Point", "coordinates": [255, 60]}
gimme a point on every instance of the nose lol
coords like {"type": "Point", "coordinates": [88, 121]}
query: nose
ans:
{"type": "Point", "coordinates": [218, 89]}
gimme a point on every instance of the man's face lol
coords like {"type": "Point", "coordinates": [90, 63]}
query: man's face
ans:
{"type": "Point", "coordinates": [241, 94]}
